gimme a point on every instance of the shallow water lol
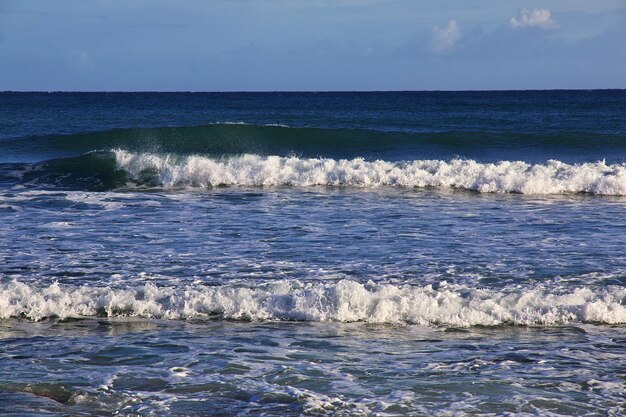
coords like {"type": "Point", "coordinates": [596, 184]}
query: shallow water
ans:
{"type": "Point", "coordinates": [132, 367]}
{"type": "Point", "coordinates": [233, 235]}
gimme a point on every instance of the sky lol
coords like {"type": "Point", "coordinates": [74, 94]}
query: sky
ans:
{"type": "Point", "coordinates": [311, 45]}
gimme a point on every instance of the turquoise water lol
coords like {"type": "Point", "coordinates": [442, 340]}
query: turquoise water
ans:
{"type": "Point", "coordinates": [313, 254]}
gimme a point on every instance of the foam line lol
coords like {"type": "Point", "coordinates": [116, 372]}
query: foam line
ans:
{"type": "Point", "coordinates": [552, 177]}
{"type": "Point", "coordinates": [342, 301]}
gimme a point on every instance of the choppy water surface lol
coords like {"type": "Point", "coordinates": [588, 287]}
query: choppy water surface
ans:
{"type": "Point", "coordinates": [381, 254]}
{"type": "Point", "coordinates": [224, 368]}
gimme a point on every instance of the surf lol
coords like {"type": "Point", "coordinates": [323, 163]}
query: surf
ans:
{"type": "Point", "coordinates": [341, 301]}
{"type": "Point", "coordinates": [117, 169]}
{"type": "Point", "coordinates": [552, 177]}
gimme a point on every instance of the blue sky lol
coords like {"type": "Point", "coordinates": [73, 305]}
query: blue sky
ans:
{"type": "Point", "coordinates": [263, 45]}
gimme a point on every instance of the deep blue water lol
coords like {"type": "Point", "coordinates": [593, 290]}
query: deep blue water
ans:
{"type": "Point", "coordinates": [409, 253]}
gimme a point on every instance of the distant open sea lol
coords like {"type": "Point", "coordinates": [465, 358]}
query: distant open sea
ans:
{"type": "Point", "coordinates": [317, 254]}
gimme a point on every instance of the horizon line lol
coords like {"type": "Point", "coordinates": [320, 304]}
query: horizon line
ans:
{"type": "Point", "coordinates": [303, 91]}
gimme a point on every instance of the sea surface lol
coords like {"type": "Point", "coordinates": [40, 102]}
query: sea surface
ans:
{"type": "Point", "coordinates": [316, 254]}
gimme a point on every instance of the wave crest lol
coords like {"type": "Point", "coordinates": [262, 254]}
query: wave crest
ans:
{"type": "Point", "coordinates": [343, 301]}
{"type": "Point", "coordinates": [552, 177]}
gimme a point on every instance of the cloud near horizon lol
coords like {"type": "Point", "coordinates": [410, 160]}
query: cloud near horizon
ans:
{"type": "Point", "coordinates": [446, 37]}
{"type": "Point", "coordinates": [541, 18]}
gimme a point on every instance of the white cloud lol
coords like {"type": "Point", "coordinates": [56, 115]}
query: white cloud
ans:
{"type": "Point", "coordinates": [444, 38]}
{"type": "Point", "coordinates": [541, 18]}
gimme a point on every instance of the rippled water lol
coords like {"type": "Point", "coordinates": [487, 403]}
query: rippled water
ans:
{"type": "Point", "coordinates": [152, 367]}
{"type": "Point", "coordinates": [391, 235]}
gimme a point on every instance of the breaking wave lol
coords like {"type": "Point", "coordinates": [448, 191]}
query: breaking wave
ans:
{"type": "Point", "coordinates": [342, 301]}
{"type": "Point", "coordinates": [552, 177]}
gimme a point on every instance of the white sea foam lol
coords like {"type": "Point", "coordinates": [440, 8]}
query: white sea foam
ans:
{"type": "Point", "coordinates": [104, 200]}
{"type": "Point", "coordinates": [343, 301]}
{"type": "Point", "coordinates": [552, 177]}
{"type": "Point", "coordinates": [248, 124]}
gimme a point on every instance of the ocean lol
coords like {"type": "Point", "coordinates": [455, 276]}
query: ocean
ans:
{"type": "Point", "coordinates": [317, 254]}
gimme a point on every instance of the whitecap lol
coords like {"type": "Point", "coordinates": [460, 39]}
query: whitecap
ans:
{"type": "Point", "coordinates": [551, 177]}
{"type": "Point", "coordinates": [341, 301]}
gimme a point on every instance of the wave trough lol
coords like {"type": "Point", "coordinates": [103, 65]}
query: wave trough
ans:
{"type": "Point", "coordinates": [551, 177]}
